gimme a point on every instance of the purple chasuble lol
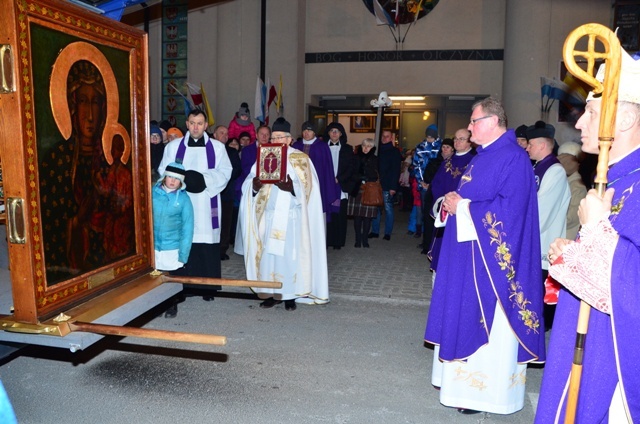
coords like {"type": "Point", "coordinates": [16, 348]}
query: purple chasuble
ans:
{"type": "Point", "coordinates": [611, 338]}
{"type": "Point", "coordinates": [211, 163]}
{"type": "Point", "coordinates": [320, 156]}
{"type": "Point", "coordinates": [445, 181]}
{"type": "Point", "coordinates": [498, 267]}
{"type": "Point", "coordinates": [541, 167]}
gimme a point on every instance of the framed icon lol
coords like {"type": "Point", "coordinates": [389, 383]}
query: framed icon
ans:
{"type": "Point", "coordinates": [79, 175]}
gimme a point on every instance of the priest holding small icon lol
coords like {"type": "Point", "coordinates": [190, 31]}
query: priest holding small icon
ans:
{"type": "Point", "coordinates": [282, 226]}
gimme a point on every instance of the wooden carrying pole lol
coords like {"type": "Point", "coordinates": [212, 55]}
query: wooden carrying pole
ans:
{"type": "Point", "coordinates": [220, 282]}
{"type": "Point", "coordinates": [609, 92]}
{"type": "Point", "coordinates": [115, 330]}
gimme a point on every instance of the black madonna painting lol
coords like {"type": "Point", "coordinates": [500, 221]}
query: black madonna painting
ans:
{"type": "Point", "coordinates": [85, 172]}
{"type": "Point", "coordinates": [77, 167]}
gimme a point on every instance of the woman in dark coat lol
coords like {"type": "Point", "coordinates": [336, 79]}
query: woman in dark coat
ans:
{"type": "Point", "coordinates": [365, 169]}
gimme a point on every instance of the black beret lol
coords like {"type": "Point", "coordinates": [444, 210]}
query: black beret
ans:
{"type": "Point", "coordinates": [521, 131]}
{"type": "Point", "coordinates": [282, 125]}
{"type": "Point", "coordinates": [541, 129]}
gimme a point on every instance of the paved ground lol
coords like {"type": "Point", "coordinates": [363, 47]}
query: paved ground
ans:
{"type": "Point", "coordinates": [359, 359]}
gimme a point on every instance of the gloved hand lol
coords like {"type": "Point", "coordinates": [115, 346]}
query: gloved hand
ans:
{"type": "Point", "coordinates": [286, 185]}
{"type": "Point", "coordinates": [194, 181]}
{"type": "Point", "coordinates": [257, 184]}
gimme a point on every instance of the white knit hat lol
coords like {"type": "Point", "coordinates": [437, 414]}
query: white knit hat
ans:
{"type": "Point", "coordinates": [570, 148]}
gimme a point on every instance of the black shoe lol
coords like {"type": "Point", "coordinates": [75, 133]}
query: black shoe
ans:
{"type": "Point", "coordinates": [417, 235]}
{"type": "Point", "coordinates": [365, 244]}
{"type": "Point", "coordinates": [387, 237]}
{"type": "Point", "coordinates": [357, 245]}
{"type": "Point", "coordinates": [224, 257]}
{"type": "Point", "coordinates": [336, 247]}
{"type": "Point", "coordinates": [208, 298]}
{"type": "Point", "coordinates": [373, 235]}
{"type": "Point", "coordinates": [270, 303]}
{"type": "Point", "coordinates": [410, 233]}
{"type": "Point", "coordinates": [424, 252]}
{"type": "Point", "coordinates": [290, 305]}
{"type": "Point", "coordinates": [171, 312]}
{"type": "Point", "coordinates": [468, 411]}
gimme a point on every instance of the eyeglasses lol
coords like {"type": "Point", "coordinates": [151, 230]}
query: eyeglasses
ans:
{"type": "Point", "coordinates": [473, 121]}
{"type": "Point", "coordinates": [280, 137]}
{"type": "Point", "coordinates": [334, 130]}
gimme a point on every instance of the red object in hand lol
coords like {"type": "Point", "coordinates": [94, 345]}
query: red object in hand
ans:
{"type": "Point", "coordinates": [551, 286]}
{"type": "Point", "coordinates": [443, 214]}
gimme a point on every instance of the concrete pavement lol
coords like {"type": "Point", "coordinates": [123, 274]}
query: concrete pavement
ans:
{"type": "Point", "coordinates": [358, 359]}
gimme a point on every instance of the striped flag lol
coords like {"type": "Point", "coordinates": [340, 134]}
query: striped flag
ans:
{"type": "Point", "coordinates": [196, 95]}
{"type": "Point", "coordinates": [260, 100]}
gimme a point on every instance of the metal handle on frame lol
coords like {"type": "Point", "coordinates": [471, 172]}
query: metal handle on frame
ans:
{"type": "Point", "coordinates": [15, 220]}
{"type": "Point", "coordinates": [6, 69]}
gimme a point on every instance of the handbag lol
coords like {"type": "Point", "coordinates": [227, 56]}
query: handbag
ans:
{"type": "Point", "coordinates": [372, 194]}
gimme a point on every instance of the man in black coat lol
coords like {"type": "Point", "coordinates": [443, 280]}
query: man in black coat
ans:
{"type": "Point", "coordinates": [389, 161]}
{"type": "Point", "coordinates": [341, 158]}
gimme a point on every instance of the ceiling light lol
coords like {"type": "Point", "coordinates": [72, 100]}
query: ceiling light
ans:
{"type": "Point", "coordinates": [415, 104]}
{"type": "Point", "coordinates": [400, 98]}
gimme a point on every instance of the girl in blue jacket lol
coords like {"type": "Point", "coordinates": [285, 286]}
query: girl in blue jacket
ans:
{"type": "Point", "coordinates": [172, 219]}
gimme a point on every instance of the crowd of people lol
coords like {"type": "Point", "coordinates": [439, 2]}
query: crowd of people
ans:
{"type": "Point", "coordinates": [494, 208]}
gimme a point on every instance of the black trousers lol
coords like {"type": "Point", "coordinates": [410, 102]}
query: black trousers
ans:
{"type": "Point", "coordinates": [427, 220]}
{"type": "Point", "coordinates": [204, 261]}
{"type": "Point", "coordinates": [226, 225]}
{"type": "Point", "coordinates": [337, 226]}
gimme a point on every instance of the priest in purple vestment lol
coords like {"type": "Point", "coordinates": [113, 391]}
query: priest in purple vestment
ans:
{"type": "Point", "coordinates": [602, 269]}
{"type": "Point", "coordinates": [487, 296]}
{"type": "Point", "coordinates": [318, 152]}
{"type": "Point", "coordinates": [446, 180]}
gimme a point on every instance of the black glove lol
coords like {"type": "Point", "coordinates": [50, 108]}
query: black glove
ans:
{"type": "Point", "coordinates": [286, 185]}
{"type": "Point", "coordinates": [257, 184]}
{"type": "Point", "coordinates": [194, 181]}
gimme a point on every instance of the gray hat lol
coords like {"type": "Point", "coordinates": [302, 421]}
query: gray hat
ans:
{"type": "Point", "coordinates": [244, 110]}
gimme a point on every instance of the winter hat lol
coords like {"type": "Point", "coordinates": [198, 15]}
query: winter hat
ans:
{"type": "Point", "coordinates": [521, 131]}
{"type": "Point", "coordinates": [447, 142]}
{"type": "Point", "coordinates": [541, 130]}
{"type": "Point", "coordinates": [431, 131]}
{"type": "Point", "coordinates": [308, 125]}
{"type": "Point", "coordinates": [155, 129]}
{"type": "Point", "coordinates": [570, 148]}
{"type": "Point", "coordinates": [244, 110]}
{"type": "Point", "coordinates": [173, 131]}
{"type": "Point", "coordinates": [175, 170]}
{"type": "Point", "coordinates": [282, 125]}
{"type": "Point", "coordinates": [165, 125]}
{"type": "Point", "coordinates": [244, 134]}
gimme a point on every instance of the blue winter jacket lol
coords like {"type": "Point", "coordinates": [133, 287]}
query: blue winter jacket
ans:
{"type": "Point", "coordinates": [172, 221]}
